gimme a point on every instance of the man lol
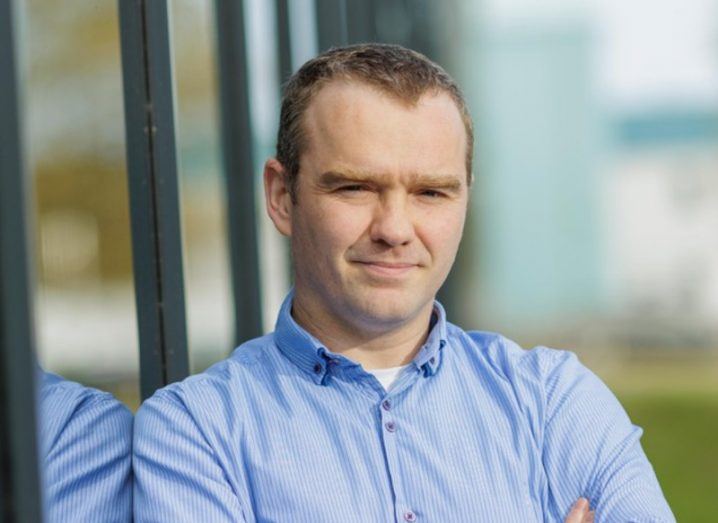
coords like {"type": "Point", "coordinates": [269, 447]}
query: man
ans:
{"type": "Point", "coordinates": [86, 452]}
{"type": "Point", "coordinates": [365, 404]}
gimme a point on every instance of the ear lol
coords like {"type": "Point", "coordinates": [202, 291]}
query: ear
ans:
{"type": "Point", "coordinates": [277, 197]}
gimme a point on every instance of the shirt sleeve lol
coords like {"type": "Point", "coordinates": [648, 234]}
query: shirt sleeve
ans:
{"type": "Point", "coordinates": [592, 449]}
{"type": "Point", "coordinates": [178, 477]}
{"type": "Point", "coordinates": [87, 467]}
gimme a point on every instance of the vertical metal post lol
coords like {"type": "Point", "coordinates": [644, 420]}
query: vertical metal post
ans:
{"type": "Point", "coordinates": [154, 192]}
{"type": "Point", "coordinates": [361, 21]}
{"type": "Point", "coordinates": [284, 42]}
{"type": "Point", "coordinates": [343, 22]}
{"type": "Point", "coordinates": [19, 477]}
{"type": "Point", "coordinates": [413, 24]}
{"type": "Point", "coordinates": [332, 29]}
{"type": "Point", "coordinates": [238, 163]}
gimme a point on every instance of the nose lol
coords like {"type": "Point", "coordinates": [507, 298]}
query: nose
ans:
{"type": "Point", "coordinates": [392, 223]}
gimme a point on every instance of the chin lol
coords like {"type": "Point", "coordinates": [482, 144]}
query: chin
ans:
{"type": "Point", "coordinates": [388, 308]}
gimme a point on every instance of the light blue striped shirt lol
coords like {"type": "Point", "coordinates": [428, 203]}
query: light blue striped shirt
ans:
{"type": "Point", "coordinates": [476, 429]}
{"type": "Point", "coordinates": [86, 453]}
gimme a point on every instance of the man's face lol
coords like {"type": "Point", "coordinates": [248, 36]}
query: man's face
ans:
{"type": "Point", "coordinates": [381, 202]}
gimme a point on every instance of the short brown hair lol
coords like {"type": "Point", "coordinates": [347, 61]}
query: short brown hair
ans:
{"type": "Point", "coordinates": [393, 69]}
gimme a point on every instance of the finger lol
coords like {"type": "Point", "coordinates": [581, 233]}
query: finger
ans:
{"type": "Point", "coordinates": [578, 511]}
{"type": "Point", "coordinates": [590, 517]}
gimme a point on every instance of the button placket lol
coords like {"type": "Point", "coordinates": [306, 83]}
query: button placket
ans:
{"type": "Point", "coordinates": [389, 432]}
{"type": "Point", "coordinates": [387, 418]}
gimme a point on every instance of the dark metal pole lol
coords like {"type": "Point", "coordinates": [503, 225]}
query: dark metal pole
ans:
{"type": "Point", "coordinates": [238, 161]}
{"type": "Point", "coordinates": [284, 41]}
{"type": "Point", "coordinates": [361, 21]}
{"type": "Point", "coordinates": [154, 192]}
{"type": "Point", "coordinates": [342, 22]}
{"type": "Point", "coordinates": [332, 29]}
{"type": "Point", "coordinates": [19, 477]}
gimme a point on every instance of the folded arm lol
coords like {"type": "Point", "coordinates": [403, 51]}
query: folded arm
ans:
{"type": "Point", "coordinates": [591, 445]}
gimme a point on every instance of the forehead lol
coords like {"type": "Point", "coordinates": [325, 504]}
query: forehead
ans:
{"type": "Point", "coordinates": [356, 124]}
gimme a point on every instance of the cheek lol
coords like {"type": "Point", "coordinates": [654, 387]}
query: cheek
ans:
{"type": "Point", "coordinates": [442, 233]}
{"type": "Point", "coordinates": [327, 231]}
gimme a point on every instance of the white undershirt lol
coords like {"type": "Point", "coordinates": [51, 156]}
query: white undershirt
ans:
{"type": "Point", "coordinates": [387, 377]}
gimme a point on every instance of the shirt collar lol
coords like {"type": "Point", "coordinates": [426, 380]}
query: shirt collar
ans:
{"type": "Point", "coordinates": [308, 353]}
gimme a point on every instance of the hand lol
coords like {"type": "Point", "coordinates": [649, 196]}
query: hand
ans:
{"type": "Point", "coordinates": [580, 512]}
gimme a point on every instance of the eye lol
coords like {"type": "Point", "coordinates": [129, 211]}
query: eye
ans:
{"type": "Point", "coordinates": [353, 188]}
{"type": "Point", "coordinates": [431, 193]}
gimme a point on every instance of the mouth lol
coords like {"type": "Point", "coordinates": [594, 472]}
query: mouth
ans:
{"type": "Point", "coordinates": [387, 269]}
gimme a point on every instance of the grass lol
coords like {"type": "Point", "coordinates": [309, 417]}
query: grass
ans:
{"type": "Point", "coordinates": [676, 404]}
{"type": "Point", "coordinates": [681, 441]}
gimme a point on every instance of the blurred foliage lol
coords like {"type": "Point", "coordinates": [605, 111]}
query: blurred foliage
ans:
{"type": "Point", "coordinates": [66, 41]}
{"type": "Point", "coordinates": [99, 189]}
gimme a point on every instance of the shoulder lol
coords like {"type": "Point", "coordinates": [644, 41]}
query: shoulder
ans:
{"type": "Point", "coordinates": [63, 401]}
{"type": "Point", "coordinates": [249, 361]}
{"type": "Point", "coordinates": [542, 380]}
{"type": "Point", "coordinates": [545, 384]}
{"type": "Point", "coordinates": [57, 393]}
{"type": "Point", "coordinates": [73, 416]}
{"type": "Point", "coordinates": [508, 360]}
{"type": "Point", "coordinates": [219, 393]}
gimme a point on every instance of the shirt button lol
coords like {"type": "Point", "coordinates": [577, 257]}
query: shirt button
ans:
{"type": "Point", "coordinates": [390, 426]}
{"type": "Point", "coordinates": [386, 405]}
{"type": "Point", "coordinates": [409, 516]}
{"type": "Point", "coordinates": [317, 368]}
{"type": "Point", "coordinates": [432, 360]}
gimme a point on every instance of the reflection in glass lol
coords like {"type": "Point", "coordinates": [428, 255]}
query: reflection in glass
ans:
{"type": "Point", "coordinates": [85, 452]}
{"type": "Point", "coordinates": [86, 328]}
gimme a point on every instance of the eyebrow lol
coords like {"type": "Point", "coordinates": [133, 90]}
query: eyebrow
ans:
{"type": "Point", "coordinates": [446, 182]}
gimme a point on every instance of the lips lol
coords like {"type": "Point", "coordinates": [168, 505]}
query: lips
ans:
{"type": "Point", "coordinates": [390, 269]}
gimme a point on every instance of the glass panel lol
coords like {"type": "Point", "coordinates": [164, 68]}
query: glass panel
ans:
{"type": "Point", "coordinates": [208, 288]}
{"type": "Point", "coordinates": [76, 144]}
{"type": "Point", "coordinates": [209, 299]}
{"type": "Point", "coordinates": [86, 326]}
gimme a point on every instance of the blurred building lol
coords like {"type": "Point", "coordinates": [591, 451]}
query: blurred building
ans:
{"type": "Point", "coordinates": [661, 216]}
{"type": "Point", "coordinates": [539, 252]}
{"type": "Point", "coordinates": [594, 210]}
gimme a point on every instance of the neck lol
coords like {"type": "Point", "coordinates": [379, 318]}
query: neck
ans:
{"type": "Point", "coordinates": [373, 348]}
